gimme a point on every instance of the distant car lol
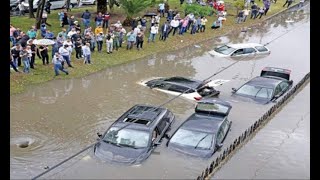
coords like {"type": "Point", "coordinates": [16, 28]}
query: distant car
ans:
{"type": "Point", "coordinates": [132, 138]}
{"type": "Point", "coordinates": [203, 133]}
{"type": "Point", "coordinates": [55, 4]}
{"type": "Point", "coordinates": [193, 89]}
{"type": "Point", "coordinates": [150, 14]}
{"type": "Point", "coordinates": [269, 86]}
{"type": "Point", "coordinates": [13, 4]}
{"type": "Point", "coordinates": [239, 50]}
{"type": "Point", "coordinates": [92, 2]}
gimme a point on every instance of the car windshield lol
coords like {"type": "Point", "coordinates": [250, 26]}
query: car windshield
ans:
{"type": "Point", "coordinates": [194, 139]}
{"type": "Point", "coordinates": [211, 107]}
{"type": "Point", "coordinates": [256, 91]}
{"type": "Point", "coordinates": [127, 137]}
{"type": "Point", "coordinates": [224, 49]}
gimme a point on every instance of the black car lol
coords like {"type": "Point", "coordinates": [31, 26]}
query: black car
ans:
{"type": "Point", "coordinates": [132, 138]}
{"type": "Point", "coordinates": [269, 86]}
{"type": "Point", "coordinates": [203, 133]}
{"type": "Point", "coordinates": [191, 88]}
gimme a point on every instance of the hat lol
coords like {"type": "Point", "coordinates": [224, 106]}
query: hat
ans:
{"type": "Point", "coordinates": [76, 22]}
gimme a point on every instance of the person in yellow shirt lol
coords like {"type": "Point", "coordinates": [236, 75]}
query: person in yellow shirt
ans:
{"type": "Point", "coordinates": [203, 24]}
{"type": "Point", "coordinates": [98, 30]}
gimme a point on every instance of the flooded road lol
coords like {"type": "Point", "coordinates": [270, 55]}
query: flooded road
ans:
{"type": "Point", "coordinates": [59, 118]}
{"type": "Point", "coordinates": [281, 150]}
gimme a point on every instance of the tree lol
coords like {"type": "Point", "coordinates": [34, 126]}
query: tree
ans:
{"type": "Point", "coordinates": [133, 7]}
{"type": "Point", "coordinates": [39, 13]}
{"type": "Point", "coordinates": [31, 15]}
{"type": "Point", "coordinates": [102, 6]}
{"type": "Point", "coordinates": [239, 4]}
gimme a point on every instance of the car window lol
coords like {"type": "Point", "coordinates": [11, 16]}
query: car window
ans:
{"type": "Point", "coordinates": [220, 135]}
{"type": "Point", "coordinates": [255, 91]}
{"type": "Point", "coordinates": [277, 90]}
{"type": "Point", "coordinates": [238, 52]}
{"type": "Point", "coordinates": [264, 93]}
{"type": "Point", "coordinates": [177, 88]}
{"type": "Point", "coordinates": [283, 86]}
{"type": "Point", "coordinates": [261, 48]}
{"type": "Point", "coordinates": [249, 50]}
{"type": "Point", "coordinates": [224, 126]}
{"type": "Point", "coordinates": [162, 124]}
{"type": "Point", "coordinates": [224, 49]}
{"type": "Point", "coordinates": [194, 139]}
{"type": "Point", "coordinates": [129, 137]}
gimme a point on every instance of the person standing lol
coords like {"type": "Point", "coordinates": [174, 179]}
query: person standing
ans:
{"type": "Point", "coordinates": [254, 11]}
{"type": "Point", "coordinates": [164, 31]}
{"type": "Point", "coordinates": [245, 14]}
{"type": "Point", "coordinates": [21, 9]}
{"type": "Point", "coordinates": [140, 38]}
{"type": "Point", "coordinates": [240, 16]}
{"type": "Point", "coordinates": [109, 43]}
{"type": "Point", "coordinates": [25, 59]}
{"type": "Point", "coordinates": [106, 18]}
{"type": "Point", "coordinates": [12, 39]}
{"type": "Point", "coordinates": [15, 50]}
{"type": "Point", "coordinates": [121, 35]}
{"type": "Point", "coordinates": [153, 32]}
{"type": "Point", "coordinates": [65, 53]}
{"type": "Point", "coordinates": [131, 39]}
{"type": "Point", "coordinates": [57, 62]}
{"type": "Point", "coordinates": [174, 26]}
{"type": "Point", "coordinates": [12, 63]}
{"type": "Point", "coordinates": [267, 4]}
{"type": "Point", "coordinates": [99, 19]}
{"type": "Point", "coordinates": [48, 7]}
{"type": "Point", "coordinates": [161, 8]}
{"type": "Point", "coordinates": [115, 37]}
{"type": "Point", "coordinates": [203, 24]}
{"type": "Point", "coordinates": [77, 47]}
{"type": "Point", "coordinates": [86, 18]}
{"type": "Point", "coordinates": [289, 2]}
{"type": "Point", "coordinates": [86, 53]}
{"type": "Point", "coordinates": [33, 48]}
{"type": "Point", "coordinates": [301, 3]}
{"type": "Point", "coordinates": [44, 54]}
{"type": "Point", "coordinates": [99, 38]}
{"type": "Point", "coordinates": [65, 20]}
{"type": "Point", "coordinates": [261, 12]}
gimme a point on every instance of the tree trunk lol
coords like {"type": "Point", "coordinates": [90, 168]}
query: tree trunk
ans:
{"type": "Point", "coordinates": [102, 6]}
{"type": "Point", "coordinates": [68, 5]}
{"type": "Point", "coordinates": [31, 15]}
{"type": "Point", "coordinates": [39, 13]}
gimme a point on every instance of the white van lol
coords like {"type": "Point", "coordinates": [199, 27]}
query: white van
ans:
{"type": "Point", "coordinates": [56, 4]}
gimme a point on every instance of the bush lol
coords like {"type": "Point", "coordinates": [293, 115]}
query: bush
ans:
{"type": "Point", "coordinates": [198, 10]}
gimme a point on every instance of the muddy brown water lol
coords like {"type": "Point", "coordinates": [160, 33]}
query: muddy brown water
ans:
{"type": "Point", "coordinates": [61, 117]}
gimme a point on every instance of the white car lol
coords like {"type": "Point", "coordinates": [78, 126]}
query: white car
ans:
{"type": "Point", "coordinates": [93, 2]}
{"type": "Point", "coordinates": [240, 50]}
{"type": "Point", "coordinates": [55, 4]}
{"type": "Point", "coordinates": [192, 89]}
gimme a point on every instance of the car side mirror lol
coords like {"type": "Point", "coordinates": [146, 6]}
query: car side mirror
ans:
{"type": "Point", "coordinates": [219, 145]}
{"type": "Point", "coordinates": [234, 90]}
{"type": "Point", "coordinates": [167, 136]}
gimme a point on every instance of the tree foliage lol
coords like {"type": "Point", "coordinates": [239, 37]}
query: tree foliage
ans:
{"type": "Point", "coordinates": [133, 7]}
{"type": "Point", "coordinates": [102, 6]}
{"type": "Point", "coordinates": [198, 10]}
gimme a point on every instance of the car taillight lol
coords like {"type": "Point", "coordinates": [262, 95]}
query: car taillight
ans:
{"type": "Point", "coordinates": [197, 98]}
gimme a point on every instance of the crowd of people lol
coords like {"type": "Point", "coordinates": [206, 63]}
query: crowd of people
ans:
{"type": "Point", "coordinates": [85, 39]}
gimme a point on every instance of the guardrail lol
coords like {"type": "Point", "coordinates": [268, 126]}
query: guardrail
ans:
{"type": "Point", "coordinates": [244, 137]}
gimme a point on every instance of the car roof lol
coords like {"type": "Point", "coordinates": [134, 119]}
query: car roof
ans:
{"type": "Point", "coordinates": [269, 82]}
{"type": "Point", "coordinates": [143, 115]}
{"type": "Point", "coordinates": [203, 123]}
{"type": "Point", "coordinates": [215, 101]}
{"type": "Point", "coordinates": [192, 83]}
{"type": "Point", "coordinates": [244, 45]}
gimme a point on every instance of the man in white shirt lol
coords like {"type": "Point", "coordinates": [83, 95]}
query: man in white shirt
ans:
{"type": "Point", "coordinates": [174, 26]}
{"type": "Point", "coordinates": [72, 32]}
{"type": "Point", "coordinates": [57, 62]}
{"type": "Point", "coordinates": [161, 8]}
{"type": "Point", "coordinates": [65, 53]}
{"type": "Point", "coordinates": [154, 30]}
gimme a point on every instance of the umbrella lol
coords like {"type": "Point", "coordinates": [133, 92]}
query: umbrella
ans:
{"type": "Point", "coordinates": [43, 42]}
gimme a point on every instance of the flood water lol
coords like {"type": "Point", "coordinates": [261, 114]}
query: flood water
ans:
{"type": "Point", "coordinates": [61, 117]}
{"type": "Point", "coordinates": [281, 150]}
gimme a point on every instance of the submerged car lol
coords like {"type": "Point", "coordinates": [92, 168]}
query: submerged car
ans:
{"type": "Point", "coordinates": [192, 89]}
{"type": "Point", "coordinates": [203, 133]}
{"type": "Point", "coordinates": [132, 138]}
{"type": "Point", "coordinates": [240, 50]}
{"type": "Point", "coordinates": [269, 86]}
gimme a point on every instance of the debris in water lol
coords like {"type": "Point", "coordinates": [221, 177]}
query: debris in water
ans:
{"type": "Point", "coordinates": [197, 46]}
{"type": "Point", "coordinates": [289, 20]}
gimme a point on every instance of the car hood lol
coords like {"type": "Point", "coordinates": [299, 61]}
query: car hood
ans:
{"type": "Point", "coordinates": [191, 151]}
{"type": "Point", "coordinates": [250, 99]}
{"type": "Point", "coordinates": [122, 155]}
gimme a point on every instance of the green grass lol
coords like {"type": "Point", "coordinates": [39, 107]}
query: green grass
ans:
{"type": "Point", "coordinates": [20, 81]}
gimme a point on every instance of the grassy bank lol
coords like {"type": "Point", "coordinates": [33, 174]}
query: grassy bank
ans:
{"type": "Point", "coordinates": [20, 81]}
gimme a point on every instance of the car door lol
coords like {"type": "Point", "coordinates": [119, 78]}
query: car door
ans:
{"type": "Point", "coordinates": [220, 136]}
{"type": "Point", "coordinates": [238, 52]}
{"type": "Point", "coordinates": [249, 51]}
{"type": "Point", "coordinates": [284, 87]}
{"type": "Point", "coordinates": [262, 50]}
{"type": "Point", "coordinates": [225, 128]}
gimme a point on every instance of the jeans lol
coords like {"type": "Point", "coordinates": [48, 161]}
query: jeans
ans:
{"type": "Point", "coordinates": [58, 67]}
{"type": "Point", "coordinates": [26, 66]}
{"type": "Point", "coordinates": [151, 37]}
{"type": "Point", "coordinates": [253, 14]}
{"type": "Point", "coordinates": [17, 61]}
{"type": "Point", "coordinates": [86, 22]}
{"type": "Point", "coordinates": [109, 47]}
{"type": "Point", "coordinates": [203, 28]}
{"type": "Point", "coordinates": [67, 59]}
{"type": "Point", "coordinates": [162, 12]}
{"type": "Point", "coordinates": [287, 2]}
{"type": "Point", "coordinates": [164, 35]}
{"type": "Point", "coordinates": [193, 29]}
{"type": "Point", "coordinates": [13, 66]}
{"type": "Point", "coordinates": [98, 23]}
{"type": "Point", "coordinates": [130, 44]}
{"type": "Point", "coordinates": [116, 44]}
{"type": "Point", "coordinates": [13, 40]}
{"type": "Point", "coordinates": [87, 59]}
{"type": "Point", "coordinates": [105, 24]}
{"type": "Point", "coordinates": [182, 30]}
{"type": "Point", "coordinates": [99, 45]}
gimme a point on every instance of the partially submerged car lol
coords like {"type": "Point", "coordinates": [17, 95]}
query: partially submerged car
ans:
{"type": "Point", "coordinates": [269, 86]}
{"type": "Point", "coordinates": [203, 133]}
{"type": "Point", "coordinates": [132, 138]}
{"type": "Point", "coordinates": [192, 89]}
{"type": "Point", "coordinates": [240, 50]}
